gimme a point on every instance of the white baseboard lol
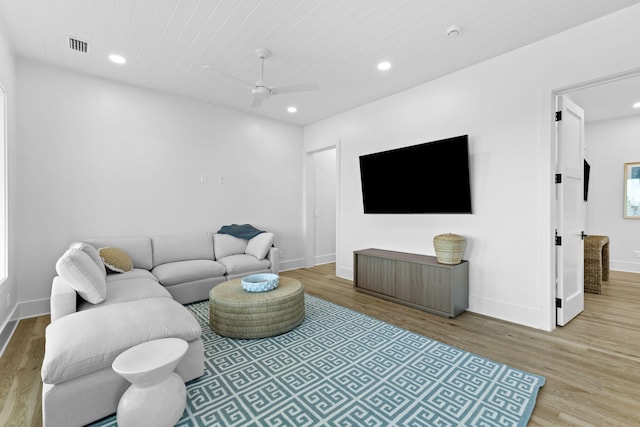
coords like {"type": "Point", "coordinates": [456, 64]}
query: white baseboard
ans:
{"type": "Point", "coordinates": [291, 264]}
{"type": "Point", "coordinates": [34, 308]}
{"type": "Point", "coordinates": [345, 273]}
{"type": "Point", "coordinates": [324, 259]}
{"type": "Point", "coordinates": [632, 267]}
{"type": "Point", "coordinates": [7, 329]}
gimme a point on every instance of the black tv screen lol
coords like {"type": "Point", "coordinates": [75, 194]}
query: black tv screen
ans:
{"type": "Point", "coordinates": [427, 178]}
{"type": "Point", "coordinates": [587, 171]}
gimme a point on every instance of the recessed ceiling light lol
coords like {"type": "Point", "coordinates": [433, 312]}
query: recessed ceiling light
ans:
{"type": "Point", "coordinates": [292, 109]}
{"type": "Point", "coordinates": [384, 65]}
{"type": "Point", "coordinates": [117, 59]}
{"type": "Point", "coordinates": [636, 105]}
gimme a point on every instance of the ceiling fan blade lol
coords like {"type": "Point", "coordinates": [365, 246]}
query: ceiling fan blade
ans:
{"type": "Point", "coordinates": [304, 87]}
{"type": "Point", "coordinates": [229, 76]}
{"type": "Point", "coordinates": [256, 102]}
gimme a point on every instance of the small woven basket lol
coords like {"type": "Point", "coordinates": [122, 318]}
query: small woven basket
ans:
{"type": "Point", "coordinates": [449, 248]}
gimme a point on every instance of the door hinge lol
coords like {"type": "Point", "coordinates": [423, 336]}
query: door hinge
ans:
{"type": "Point", "coordinates": [558, 303]}
{"type": "Point", "coordinates": [558, 178]}
{"type": "Point", "coordinates": [582, 235]}
{"type": "Point", "coordinates": [558, 240]}
{"type": "Point", "coordinates": [558, 116]}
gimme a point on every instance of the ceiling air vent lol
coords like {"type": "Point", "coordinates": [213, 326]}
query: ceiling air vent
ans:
{"type": "Point", "coordinates": [78, 45]}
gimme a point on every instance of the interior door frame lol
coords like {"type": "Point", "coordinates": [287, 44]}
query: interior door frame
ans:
{"type": "Point", "coordinates": [566, 90]}
{"type": "Point", "coordinates": [309, 196]}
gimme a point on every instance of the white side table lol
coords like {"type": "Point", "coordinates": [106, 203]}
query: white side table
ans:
{"type": "Point", "coordinates": [157, 396]}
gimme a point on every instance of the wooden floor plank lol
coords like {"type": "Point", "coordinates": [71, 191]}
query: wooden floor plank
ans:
{"type": "Point", "coordinates": [20, 384]}
{"type": "Point", "coordinates": [591, 365]}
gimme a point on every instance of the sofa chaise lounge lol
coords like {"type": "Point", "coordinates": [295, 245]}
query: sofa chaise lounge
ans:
{"type": "Point", "coordinates": [97, 314]}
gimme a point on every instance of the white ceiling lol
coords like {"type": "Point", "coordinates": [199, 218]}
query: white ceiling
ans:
{"type": "Point", "coordinates": [336, 43]}
{"type": "Point", "coordinates": [609, 100]}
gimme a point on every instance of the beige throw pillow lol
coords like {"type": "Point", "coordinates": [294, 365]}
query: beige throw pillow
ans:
{"type": "Point", "coordinates": [116, 259]}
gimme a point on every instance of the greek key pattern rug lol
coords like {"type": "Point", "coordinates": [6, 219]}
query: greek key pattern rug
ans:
{"type": "Point", "coordinates": [342, 368]}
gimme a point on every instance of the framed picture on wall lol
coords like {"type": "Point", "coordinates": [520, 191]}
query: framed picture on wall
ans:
{"type": "Point", "coordinates": [632, 190]}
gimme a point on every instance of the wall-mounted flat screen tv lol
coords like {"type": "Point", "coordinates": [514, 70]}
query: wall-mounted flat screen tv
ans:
{"type": "Point", "coordinates": [428, 178]}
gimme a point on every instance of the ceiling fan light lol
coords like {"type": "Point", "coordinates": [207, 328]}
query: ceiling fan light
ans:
{"type": "Point", "coordinates": [261, 92]}
{"type": "Point", "coordinates": [636, 105]}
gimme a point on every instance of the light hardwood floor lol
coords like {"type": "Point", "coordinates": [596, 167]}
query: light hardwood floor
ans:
{"type": "Point", "coordinates": [592, 365]}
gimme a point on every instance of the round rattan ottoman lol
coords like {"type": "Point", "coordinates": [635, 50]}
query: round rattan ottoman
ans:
{"type": "Point", "coordinates": [236, 313]}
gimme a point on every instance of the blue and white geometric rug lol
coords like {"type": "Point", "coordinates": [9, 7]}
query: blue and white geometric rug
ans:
{"type": "Point", "coordinates": [343, 368]}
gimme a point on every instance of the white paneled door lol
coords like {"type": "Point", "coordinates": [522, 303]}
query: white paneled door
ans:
{"type": "Point", "coordinates": [569, 211]}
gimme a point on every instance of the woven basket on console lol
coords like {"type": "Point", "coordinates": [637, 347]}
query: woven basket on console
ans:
{"type": "Point", "coordinates": [449, 248]}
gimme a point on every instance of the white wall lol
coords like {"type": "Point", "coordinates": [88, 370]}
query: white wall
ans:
{"type": "Point", "coordinates": [505, 106]}
{"type": "Point", "coordinates": [610, 144]}
{"type": "Point", "coordinates": [8, 288]}
{"type": "Point", "coordinates": [99, 159]}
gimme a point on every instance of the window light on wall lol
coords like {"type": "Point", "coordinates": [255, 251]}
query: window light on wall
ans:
{"type": "Point", "coordinates": [3, 184]}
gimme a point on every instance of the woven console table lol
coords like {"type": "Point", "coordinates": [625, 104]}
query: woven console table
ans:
{"type": "Point", "coordinates": [236, 313]}
{"type": "Point", "coordinates": [596, 263]}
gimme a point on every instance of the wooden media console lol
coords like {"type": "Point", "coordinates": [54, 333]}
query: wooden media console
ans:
{"type": "Point", "coordinates": [417, 281]}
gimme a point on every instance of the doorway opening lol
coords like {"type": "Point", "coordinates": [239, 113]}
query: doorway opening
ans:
{"type": "Point", "coordinates": [322, 206]}
{"type": "Point", "coordinates": [612, 128]}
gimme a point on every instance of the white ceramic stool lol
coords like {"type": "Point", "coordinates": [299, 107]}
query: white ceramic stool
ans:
{"type": "Point", "coordinates": [157, 396]}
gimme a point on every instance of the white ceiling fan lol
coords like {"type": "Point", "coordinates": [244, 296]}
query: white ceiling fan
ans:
{"type": "Point", "coordinates": [261, 91]}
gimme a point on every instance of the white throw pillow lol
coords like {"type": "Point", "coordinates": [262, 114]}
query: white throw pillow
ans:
{"type": "Point", "coordinates": [226, 244]}
{"type": "Point", "coordinates": [92, 252]}
{"type": "Point", "coordinates": [259, 245]}
{"type": "Point", "coordinates": [83, 275]}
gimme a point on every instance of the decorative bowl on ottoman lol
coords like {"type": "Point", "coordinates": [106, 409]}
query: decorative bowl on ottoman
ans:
{"type": "Point", "coordinates": [260, 282]}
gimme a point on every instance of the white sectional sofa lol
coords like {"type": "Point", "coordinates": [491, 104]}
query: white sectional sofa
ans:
{"type": "Point", "coordinates": [188, 265]}
{"type": "Point", "coordinates": [96, 315]}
